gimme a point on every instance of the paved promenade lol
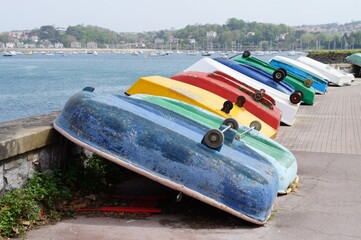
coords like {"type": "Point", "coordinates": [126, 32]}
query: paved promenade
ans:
{"type": "Point", "coordinates": [331, 125]}
{"type": "Point", "coordinates": [326, 139]}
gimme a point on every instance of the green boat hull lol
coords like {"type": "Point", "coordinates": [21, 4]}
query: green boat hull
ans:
{"type": "Point", "coordinates": [354, 59]}
{"type": "Point", "coordinates": [294, 81]}
{"type": "Point", "coordinates": [280, 156]}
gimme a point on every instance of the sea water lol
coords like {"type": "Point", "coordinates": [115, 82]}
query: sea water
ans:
{"type": "Point", "coordinates": [37, 84]}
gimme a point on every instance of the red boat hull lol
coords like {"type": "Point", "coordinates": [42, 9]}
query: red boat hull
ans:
{"type": "Point", "coordinates": [225, 86]}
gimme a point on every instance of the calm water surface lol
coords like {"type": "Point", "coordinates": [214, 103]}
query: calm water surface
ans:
{"type": "Point", "coordinates": [39, 84]}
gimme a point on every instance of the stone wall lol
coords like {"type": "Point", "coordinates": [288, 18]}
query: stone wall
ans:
{"type": "Point", "coordinates": [27, 145]}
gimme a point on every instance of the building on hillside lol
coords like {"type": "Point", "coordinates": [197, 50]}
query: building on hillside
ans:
{"type": "Point", "coordinates": [34, 39]}
{"type": "Point", "coordinates": [47, 44]}
{"type": "Point", "coordinates": [60, 29]}
{"type": "Point", "coordinates": [58, 45]}
{"type": "Point", "coordinates": [75, 44]}
{"type": "Point", "coordinates": [92, 45]}
{"type": "Point", "coordinates": [10, 45]}
{"type": "Point", "coordinates": [29, 45]}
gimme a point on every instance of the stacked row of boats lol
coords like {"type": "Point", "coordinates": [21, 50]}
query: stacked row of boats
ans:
{"type": "Point", "coordinates": [207, 131]}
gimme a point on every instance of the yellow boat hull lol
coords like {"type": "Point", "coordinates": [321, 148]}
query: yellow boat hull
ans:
{"type": "Point", "coordinates": [166, 87]}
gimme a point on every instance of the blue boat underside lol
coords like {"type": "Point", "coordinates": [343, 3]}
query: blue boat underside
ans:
{"type": "Point", "coordinates": [258, 75]}
{"type": "Point", "coordinates": [145, 139]}
{"type": "Point", "coordinates": [286, 164]}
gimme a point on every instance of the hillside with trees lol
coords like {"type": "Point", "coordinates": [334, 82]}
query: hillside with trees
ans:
{"type": "Point", "coordinates": [235, 34]}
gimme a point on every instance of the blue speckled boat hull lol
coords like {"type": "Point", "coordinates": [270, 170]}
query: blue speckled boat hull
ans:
{"type": "Point", "coordinates": [158, 144]}
{"type": "Point", "coordinates": [280, 157]}
{"type": "Point", "coordinates": [258, 75]}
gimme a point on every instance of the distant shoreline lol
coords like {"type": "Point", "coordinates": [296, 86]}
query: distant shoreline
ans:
{"type": "Point", "coordinates": [78, 49]}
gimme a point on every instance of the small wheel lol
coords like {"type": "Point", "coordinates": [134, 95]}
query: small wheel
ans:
{"type": "Point", "coordinates": [296, 97]}
{"type": "Point", "coordinates": [241, 100]}
{"type": "Point", "coordinates": [246, 54]}
{"type": "Point", "coordinates": [231, 121]}
{"type": "Point", "coordinates": [214, 138]}
{"type": "Point", "coordinates": [278, 75]}
{"type": "Point", "coordinates": [298, 91]}
{"type": "Point", "coordinates": [255, 125]}
{"type": "Point", "coordinates": [283, 70]}
{"type": "Point", "coordinates": [258, 96]}
{"type": "Point", "coordinates": [227, 106]}
{"type": "Point", "coordinates": [88, 89]}
{"type": "Point", "coordinates": [308, 82]}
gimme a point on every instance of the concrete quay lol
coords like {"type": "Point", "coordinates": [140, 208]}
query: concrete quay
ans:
{"type": "Point", "coordinates": [326, 139]}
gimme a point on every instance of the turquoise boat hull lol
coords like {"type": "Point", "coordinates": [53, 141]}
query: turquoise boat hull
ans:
{"type": "Point", "coordinates": [354, 59]}
{"type": "Point", "coordinates": [165, 147]}
{"type": "Point", "coordinates": [320, 85]}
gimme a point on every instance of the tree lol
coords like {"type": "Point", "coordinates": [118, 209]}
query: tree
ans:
{"type": "Point", "coordinates": [5, 38]}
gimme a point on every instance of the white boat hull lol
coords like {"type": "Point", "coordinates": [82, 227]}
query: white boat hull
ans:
{"type": "Point", "coordinates": [333, 75]}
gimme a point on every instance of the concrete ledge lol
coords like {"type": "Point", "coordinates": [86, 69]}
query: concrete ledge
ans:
{"type": "Point", "coordinates": [28, 145]}
{"type": "Point", "coordinates": [24, 135]}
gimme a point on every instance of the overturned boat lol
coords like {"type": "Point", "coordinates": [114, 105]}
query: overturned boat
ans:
{"type": "Point", "coordinates": [254, 101]}
{"type": "Point", "coordinates": [281, 158]}
{"type": "Point", "coordinates": [299, 84]}
{"type": "Point", "coordinates": [161, 145]}
{"type": "Point", "coordinates": [166, 87]}
{"type": "Point", "coordinates": [333, 75]}
{"type": "Point", "coordinates": [320, 81]}
{"type": "Point", "coordinates": [283, 100]}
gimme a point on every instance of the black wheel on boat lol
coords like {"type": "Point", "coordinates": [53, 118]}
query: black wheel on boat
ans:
{"type": "Point", "coordinates": [300, 93]}
{"type": "Point", "coordinates": [308, 82]}
{"type": "Point", "coordinates": [296, 97]}
{"type": "Point", "coordinates": [278, 75]}
{"type": "Point", "coordinates": [258, 96]}
{"type": "Point", "coordinates": [227, 106]}
{"type": "Point", "coordinates": [214, 138]}
{"type": "Point", "coordinates": [246, 54]}
{"type": "Point", "coordinates": [231, 121]}
{"type": "Point", "coordinates": [241, 100]}
{"type": "Point", "coordinates": [255, 125]}
{"type": "Point", "coordinates": [88, 89]}
{"type": "Point", "coordinates": [283, 70]}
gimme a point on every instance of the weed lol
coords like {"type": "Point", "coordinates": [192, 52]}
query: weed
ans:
{"type": "Point", "coordinates": [44, 197]}
{"type": "Point", "coordinates": [22, 208]}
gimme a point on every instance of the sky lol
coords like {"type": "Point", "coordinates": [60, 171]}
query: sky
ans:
{"type": "Point", "coordinates": [154, 15]}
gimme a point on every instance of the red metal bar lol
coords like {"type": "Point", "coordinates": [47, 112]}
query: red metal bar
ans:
{"type": "Point", "coordinates": [121, 209]}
